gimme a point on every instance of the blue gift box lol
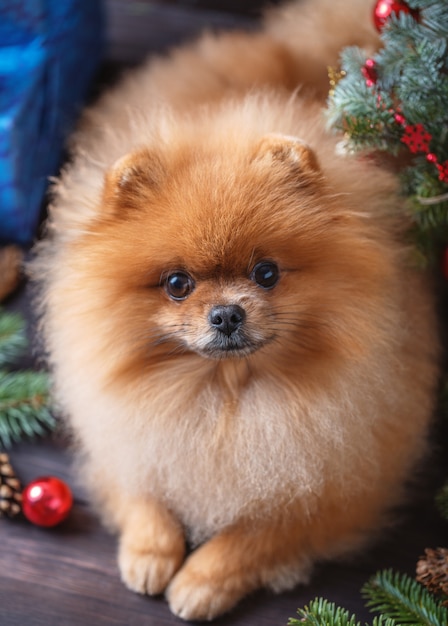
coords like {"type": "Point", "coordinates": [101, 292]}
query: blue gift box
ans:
{"type": "Point", "coordinates": [49, 51]}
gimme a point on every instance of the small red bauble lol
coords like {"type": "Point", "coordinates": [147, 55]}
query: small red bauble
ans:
{"type": "Point", "coordinates": [384, 8]}
{"type": "Point", "coordinates": [46, 501]}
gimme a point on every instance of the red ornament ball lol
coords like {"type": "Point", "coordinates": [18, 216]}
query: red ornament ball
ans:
{"type": "Point", "coordinates": [46, 501]}
{"type": "Point", "coordinates": [383, 9]}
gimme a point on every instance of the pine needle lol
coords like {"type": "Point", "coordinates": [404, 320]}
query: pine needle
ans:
{"type": "Point", "coordinates": [403, 599]}
{"type": "Point", "coordinates": [24, 395]}
{"type": "Point", "coordinates": [12, 337]}
{"type": "Point", "coordinates": [321, 612]}
{"type": "Point", "coordinates": [24, 406]}
{"type": "Point", "coordinates": [410, 82]}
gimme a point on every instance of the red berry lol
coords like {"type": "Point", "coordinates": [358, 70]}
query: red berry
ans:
{"type": "Point", "coordinates": [443, 171]}
{"type": "Point", "coordinates": [46, 501]}
{"type": "Point", "coordinates": [369, 72]}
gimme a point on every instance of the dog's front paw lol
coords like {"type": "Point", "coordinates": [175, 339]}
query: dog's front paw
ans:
{"type": "Point", "coordinates": [193, 597]}
{"type": "Point", "coordinates": [148, 571]}
{"type": "Point", "coordinates": [152, 547]}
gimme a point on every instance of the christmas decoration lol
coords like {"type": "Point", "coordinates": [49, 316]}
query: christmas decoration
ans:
{"type": "Point", "coordinates": [395, 102]}
{"type": "Point", "coordinates": [11, 258]}
{"type": "Point", "coordinates": [416, 138]}
{"type": "Point", "coordinates": [385, 8]}
{"type": "Point", "coordinates": [24, 411]}
{"type": "Point", "coordinates": [10, 489]}
{"type": "Point", "coordinates": [12, 338]}
{"type": "Point", "coordinates": [432, 572]}
{"type": "Point", "coordinates": [399, 598]}
{"type": "Point", "coordinates": [369, 72]}
{"type": "Point", "coordinates": [334, 76]}
{"type": "Point", "coordinates": [443, 171]}
{"type": "Point", "coordinates": [46, 501]}
{"type": "Point", "coordinates": [403, 599]}
{"type": "Point", "coordinates": [24, 395]}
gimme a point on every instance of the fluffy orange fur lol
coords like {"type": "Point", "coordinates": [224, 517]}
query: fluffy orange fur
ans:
{"type": "Point", "coordinates": [204, 183]}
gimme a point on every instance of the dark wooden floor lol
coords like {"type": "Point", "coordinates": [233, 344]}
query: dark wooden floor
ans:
{"type": "Point", "coordinates": [68, 576]}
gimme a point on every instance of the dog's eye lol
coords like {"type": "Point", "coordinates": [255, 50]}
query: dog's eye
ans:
{"type": "Point", "coordinates": [179, 285]}
{"type": "Point", "coordinates": [265, 274]}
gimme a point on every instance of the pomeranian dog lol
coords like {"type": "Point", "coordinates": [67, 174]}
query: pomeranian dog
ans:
{"type": "Point", "coordinates": [237, 335]}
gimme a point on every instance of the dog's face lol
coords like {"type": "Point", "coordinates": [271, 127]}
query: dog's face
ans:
{"type": "Point", "coordinates": [220, 316]}
{"type": "Point", "coordinates": [229, 256]}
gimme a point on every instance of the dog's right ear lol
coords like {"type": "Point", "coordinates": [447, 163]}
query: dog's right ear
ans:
{"type": "Point", "coordinates": [132, 178]}
{"type": "Point", "coordinates": [289, 155]}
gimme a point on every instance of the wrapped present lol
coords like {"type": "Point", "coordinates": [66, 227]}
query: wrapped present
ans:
{"type": "Point", "coordinates": [49, 51]}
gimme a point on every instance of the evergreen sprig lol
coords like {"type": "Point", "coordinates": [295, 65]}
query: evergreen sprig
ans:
{"type": "Point", "coordinates": [24, 406]}
{"type": "Point", "coordinates": [404, 600]}
{"type": "Point", "coordinates": [411, 80]}
{"type": "Point", "coordinates": [12, 337]}
{"type": "Point", "coordinates": [24, 395]}
{"type": "Point", "coordinates": [400, 600]}
{"type": "Point", "coordinates": [321, 612]}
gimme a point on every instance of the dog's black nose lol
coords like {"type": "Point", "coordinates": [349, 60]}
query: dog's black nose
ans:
{"type": "Point", "coordinates": [227, 318]}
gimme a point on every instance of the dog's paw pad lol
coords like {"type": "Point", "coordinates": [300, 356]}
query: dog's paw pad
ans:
{"type": "Point", "coordinates": [147, 572]}
{"type": "Point", "coordinates": [194, 598]}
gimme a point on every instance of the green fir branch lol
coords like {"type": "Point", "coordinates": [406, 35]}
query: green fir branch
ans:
{"type": "Point", "coordinates": [24, 406]}
{"type": "Point", "coordinates": [435, 16]}
{"type": "Point", "coordinates": [410, 79]}
{"type": "Point", "coordinates": [12, 337]}
{"type": "Point", "coordinates": [404, 600]}
{"type": "Point", "coordinates": [24, 395]}
{"type": "Point", "coordinates": [321, 612]}
{"type": "Point", "coordinates": [400, 36]}
{"type": "Point", "coordinates": [400, 600]}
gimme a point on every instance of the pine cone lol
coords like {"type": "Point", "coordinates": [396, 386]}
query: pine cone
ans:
{"type": "Point", "coordinates": [432, 572]}
{"type": "Point", "coordinates": [10, 489]}
{"type": "Point", "coordinates": [11, 258]}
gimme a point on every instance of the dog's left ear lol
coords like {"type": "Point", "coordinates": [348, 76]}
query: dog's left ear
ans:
{"type": "Point", "coordinates": [131, 177]}
{"type": "Point", "coordinates": [294, 156]}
